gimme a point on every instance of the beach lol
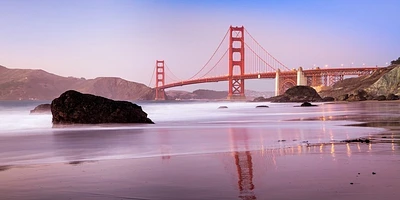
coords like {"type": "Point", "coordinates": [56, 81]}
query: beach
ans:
{"type": "Point", "coordinates": [297, 155]}
{"type": "Point", "coordinates": [342, 171]}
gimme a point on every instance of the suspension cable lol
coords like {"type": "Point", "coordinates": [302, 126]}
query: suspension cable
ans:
{"type": "Point", "coordinates": [216, 63]}
{"type": "Point", "coordinates": [152, 76]}
{"type": "Point", "coordinates": [212, 55]}
{"type": "Point", "coordinates": [266, 50]}
{"type": "Point", "coordinates": [258, 56]}
{"type": "Point", "coordinates": [177, 79]}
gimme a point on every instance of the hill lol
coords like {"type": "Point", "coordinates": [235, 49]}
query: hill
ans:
{"type": "Point", "coordinates": [36, 84]}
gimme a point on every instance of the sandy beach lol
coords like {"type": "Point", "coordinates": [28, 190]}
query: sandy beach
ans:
{"type": "Point", "coordinates": [330, 171]}
{"type": "Point", "coordinates": [263, 157]}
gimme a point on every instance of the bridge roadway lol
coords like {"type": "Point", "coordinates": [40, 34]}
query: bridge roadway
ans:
{"type": "Point", "coordinates": [282, 74]}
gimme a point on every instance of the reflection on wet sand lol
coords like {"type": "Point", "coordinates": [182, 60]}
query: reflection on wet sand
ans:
{"type": "Point", "coordinates": [77, 146]}
{"type": "Point", "coordinates": [243, 163]}
{"type": "Point", "coordinates": [252, 165]}
{"type": "Point", "coordinates": [5, 167]}
{"type": "Point", "coordinates": [302, 172]}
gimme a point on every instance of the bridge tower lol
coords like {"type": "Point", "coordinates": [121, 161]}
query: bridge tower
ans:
{"type": "Point", "coordinates": [236, 62]}
{"type": "Point", "coordinates": [160, 80]}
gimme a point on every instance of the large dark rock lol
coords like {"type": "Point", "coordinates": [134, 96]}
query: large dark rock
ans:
{"type": "Point", "coordinates": [42, 109]}
{"type": "Point", "coordinates": [343, 97]}
{"type": "Point", "coordinates": [73, 107]}
{"type": "Point", "coordinates": [381, 98]}
{"type": "Point", "coordinates": [359, 95]}
{"type": "Point", "coordinates": [297, 94]}
{"type": "Point", "coordinates": [327, 99]}
{"type": "Point", "coordinates": [392, 96]}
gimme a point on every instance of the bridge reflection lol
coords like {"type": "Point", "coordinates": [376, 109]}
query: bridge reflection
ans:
{"type": "Point", "coordinates": [243, 162]}
{"type": "Point", "coordinates": [249, 166]}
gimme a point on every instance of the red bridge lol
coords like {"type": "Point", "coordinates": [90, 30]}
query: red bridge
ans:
{"type": "Point", "coordinates": [259, 64]}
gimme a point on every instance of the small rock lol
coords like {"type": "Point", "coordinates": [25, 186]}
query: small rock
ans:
{"type": "Point", "coordinates": [357, 140]}
{"type": "Point", "coordinates": [221, 107]}
{"type": "Point", "coordinates": [351, 183]}
{"type": "Point", "coordinates": [307, 104]}
{"type": "Point", "coordinates": [262, 106]}
{"type": "Point", "coordinates": [373, 173]}
{"type": "Point", "coordinates": [281, 140]}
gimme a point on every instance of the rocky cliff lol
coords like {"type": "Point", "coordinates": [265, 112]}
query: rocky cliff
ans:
{"type": "Point", "coordinates": [31, 84]}
{"type": "Point", "coordinates": [385, 81]}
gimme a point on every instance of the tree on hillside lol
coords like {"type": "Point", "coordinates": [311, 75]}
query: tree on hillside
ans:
{"type": "Point", "coordinates": [396, 62]}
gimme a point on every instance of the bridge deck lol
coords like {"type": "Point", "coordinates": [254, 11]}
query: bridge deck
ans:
{"type": "Point", "coordinates": [283, 74]}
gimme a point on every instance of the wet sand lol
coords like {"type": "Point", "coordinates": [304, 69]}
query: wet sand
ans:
{"type": "Point", "coordinates": [336, 170]}
{"type": "Point", "coordinates": [330, 171]}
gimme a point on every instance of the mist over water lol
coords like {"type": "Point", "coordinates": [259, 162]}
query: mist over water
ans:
{"type": "Point", "coordinates": [180, 128]}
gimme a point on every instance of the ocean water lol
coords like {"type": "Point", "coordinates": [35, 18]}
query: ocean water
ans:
{"type": "Point", "coordinates": [181, 128]}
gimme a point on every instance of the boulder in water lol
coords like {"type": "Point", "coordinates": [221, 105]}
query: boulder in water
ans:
{"type": "Point", "coordinates": [73, 107]}
{"type": "Point", "coordinates": [327, 99]}
{"type": "Point", "coordinates": [297, 94]}
{"type": "Point", "coordinates": [359, 95]}
{"type": "Point", "coordinates": [392, 96]}
{"type": "Point", "coordinates": [42, 109]}
{"type": "Point", "coordinates": [262, 106]}
{"type": "Point", "coordinates": [307, 104]}
{"type": "Point", "coordinates": [381, 98]}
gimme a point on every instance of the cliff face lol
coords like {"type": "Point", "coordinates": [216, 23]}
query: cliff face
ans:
{"type": "Point", "coordinates": [382, 82]}
{"type": "Point", "coordinates": [29, 84]}
{"type": "Point", "coordinates": [387, 84]}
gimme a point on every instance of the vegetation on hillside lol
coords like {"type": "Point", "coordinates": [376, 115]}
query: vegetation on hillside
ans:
{"type": "Point", "coordinates": [396, 62]}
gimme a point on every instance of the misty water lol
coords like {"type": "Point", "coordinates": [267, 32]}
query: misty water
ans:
{"type": "Point", "coordinates": [181, 128]}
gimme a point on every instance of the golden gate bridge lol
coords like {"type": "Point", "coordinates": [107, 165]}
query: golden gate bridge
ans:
{"type": "Point", "coordinates": [256, 63]}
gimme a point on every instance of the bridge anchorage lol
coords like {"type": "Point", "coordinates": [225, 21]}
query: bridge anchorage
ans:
{"type": "Point", "coordinates": [257, 63]}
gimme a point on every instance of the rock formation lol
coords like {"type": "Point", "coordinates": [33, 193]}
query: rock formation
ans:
{"type": "Point", "coordinates": [73, 107]}
{"type": "Point", "coordinates": [383, 82]}
{"type": "Point", "coordinates": [295, 94]}
{"type": "Point", "coordinates": [42, 109]}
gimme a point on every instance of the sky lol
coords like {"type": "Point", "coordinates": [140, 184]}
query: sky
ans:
{"type": "Point", "coordinates": [124, 38]}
